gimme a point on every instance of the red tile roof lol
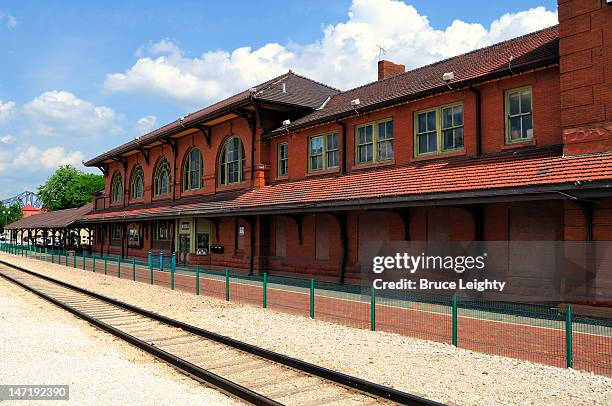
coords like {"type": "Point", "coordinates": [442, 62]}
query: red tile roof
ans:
{"type": "Point", "coordinates": [298, 91]}
{"type": "Point", "coordinates": [488, 175]}
{"type": "Point", "coordinates": [528, 51]}
{"type": "Point", "coordinates": [52, 219]}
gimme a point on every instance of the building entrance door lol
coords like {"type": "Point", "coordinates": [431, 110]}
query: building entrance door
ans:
{"type": "Point", "coordinates": [184, 244]}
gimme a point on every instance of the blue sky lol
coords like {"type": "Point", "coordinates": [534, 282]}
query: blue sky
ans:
{"type": "Point", "coordinates": [81, 77]}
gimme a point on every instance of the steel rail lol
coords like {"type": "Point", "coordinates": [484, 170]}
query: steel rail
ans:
{"type": "Point", "coordinates": [352, 382]}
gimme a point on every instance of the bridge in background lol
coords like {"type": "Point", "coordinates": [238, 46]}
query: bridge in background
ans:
{"type": "Point", "coordinates": [23, 199]}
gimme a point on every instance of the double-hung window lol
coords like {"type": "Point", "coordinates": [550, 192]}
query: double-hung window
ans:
{"type": "Point", "coordinates": [519, 116]}
{"type": "Point", "coordinates": [283, 159]}
{"type": "Point", "coordinates": [374, 142]}
{"type": "Point", "coordinates": [439, 130]}
{"type": "Point", "coordinates": [323, 152]}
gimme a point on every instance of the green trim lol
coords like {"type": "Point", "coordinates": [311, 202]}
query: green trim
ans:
{"type": "Point", "coordinates": [439, 130]}
{"type": "Point", "coordinates": [188, 174]}
{"type": "Point", "coordinates": [241, 158]}
{"type": "Point", "coordinates": [507, 94]}
{"type": "Point", "coordinates": [279, 158]}
{"type": "Point", "coordinates": [324, 152]}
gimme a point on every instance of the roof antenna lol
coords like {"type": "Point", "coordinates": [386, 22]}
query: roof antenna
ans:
{"type": "Point", "coordinates": [381, 51]}
{"type": "Point", "coordinates": [510, 64]}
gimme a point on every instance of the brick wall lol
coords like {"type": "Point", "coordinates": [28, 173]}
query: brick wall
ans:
{"type": "Point", "coordinates": [546, 125]}
{"type": "Point", "coordinates": [585, 49]}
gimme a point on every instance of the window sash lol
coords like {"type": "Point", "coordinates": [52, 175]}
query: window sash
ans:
{"type": "Point", "coordinates": [137, 190]}
{"type": "Point", "coordinates": [374, 142]}
{"type": "Point", "coordinates": [162, 230]}
{"type": "Point", "coordinates": [283, 159]}
{"type": "Point", "coordinates": [192, 174]}
{"type": "Point", "coordinates": [117, 233]}
{"type": "Point", "coordinates": [439, 130]}
{"type": "Point", "coordinates": [233, 162]}
{"type": "Point", "coordinates": [117, 189]}
{"type": "Point", "coordinates": [161, 180]}
{"type": "Point", "coordinates": [323, 152]}
{"type": "Point", "coordinates": [519, 115]}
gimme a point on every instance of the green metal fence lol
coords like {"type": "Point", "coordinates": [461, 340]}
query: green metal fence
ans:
{"type": "Point", "coordinates": [549, 335]}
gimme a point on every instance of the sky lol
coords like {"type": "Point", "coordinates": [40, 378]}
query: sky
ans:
{"type": "Point", "coordinates": [78, 78]}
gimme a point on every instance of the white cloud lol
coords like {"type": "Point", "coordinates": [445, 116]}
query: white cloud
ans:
{"type": "Point", "coordinates": [145, 124]}
{"type": "Point", "coordinates": [7, 139]}
{"type": "Point", "coordinates": [7, 19]}
{"type": "Point", "coordinates": [60, 112]}
{"type": "Point", "coordinates": [345, 56]}
{"type": "Point", "coordinates": [6, 110]}
{"type": "Point", "coordinates": [49, 158]}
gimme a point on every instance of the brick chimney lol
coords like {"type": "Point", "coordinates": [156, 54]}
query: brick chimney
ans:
{"type": "Point", "coordinates": [386, 69]}
{"type": "Point", "coordinates": [585, 54]}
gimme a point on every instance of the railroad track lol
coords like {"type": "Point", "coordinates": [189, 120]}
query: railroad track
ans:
{"type": "Point", "coordinates": [253, 374]}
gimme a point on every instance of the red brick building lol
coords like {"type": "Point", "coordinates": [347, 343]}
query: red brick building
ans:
{"type": "Point", "coordinates": [507, 143]}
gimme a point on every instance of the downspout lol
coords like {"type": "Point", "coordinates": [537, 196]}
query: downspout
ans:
{"type": "Point", "coordinates": [478, 120]}
{"type": "Point", "coordinates": [252, 225]}
{"type": "Point", "coordinates": [343, 138]}
{"type": "Point", "coordinates": [253, 124]}
{"type": "Point", "coordinates": [174, 152]}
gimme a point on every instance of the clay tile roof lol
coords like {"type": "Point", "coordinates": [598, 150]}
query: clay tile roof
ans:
{"type": "Point", "coordinates": [438, 179]}
{"type": "Point", "coordinates": [536, 49]}
{"type": "Point", "coordinates": [52, 219]}
{"type": "Point", "coordinates": [299, 91]}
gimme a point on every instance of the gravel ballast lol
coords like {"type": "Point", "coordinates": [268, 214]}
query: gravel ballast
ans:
{"type": "Point", "coordinates": [41, 344]}
{"type": "Point", "coordinates": [437, 371]}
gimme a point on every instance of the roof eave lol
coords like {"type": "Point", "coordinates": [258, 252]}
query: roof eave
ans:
{"type": "Point", "coordinates": [473, 82]}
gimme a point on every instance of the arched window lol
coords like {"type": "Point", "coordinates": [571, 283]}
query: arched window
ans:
{"type": "Point", "coordinates": [116, 188]}
{"type": "Point", "coordinates": [192, 171]}
{"type": "Point", "coordinates": [137, 184]}
{"type": "Point", "coordinates": [161, 178]}
{"type": "Point", "coordinates": [232, 162]}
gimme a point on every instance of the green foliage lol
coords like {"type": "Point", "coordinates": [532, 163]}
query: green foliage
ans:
{"type": "Point", "coordinates": [9, 215]}
{"type": "Point", "coordinates": [69, 187]}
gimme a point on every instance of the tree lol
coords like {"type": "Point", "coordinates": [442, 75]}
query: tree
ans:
{"type": "Point", "coordinates": [69, 187]}
{"type": "Point", "coordinates": [9, 215]}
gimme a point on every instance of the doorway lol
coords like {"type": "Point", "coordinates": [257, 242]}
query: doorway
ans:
{"type": "Point", "coordinates": [184, 244]}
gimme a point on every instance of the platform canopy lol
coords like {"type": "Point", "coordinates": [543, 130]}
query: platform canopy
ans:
{"type": "Point", "coordinates": [51, 219]}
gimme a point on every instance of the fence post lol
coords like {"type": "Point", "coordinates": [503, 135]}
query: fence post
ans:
{"type": "Point", "coordinates": [227, 285]}
{"type": "Point", "coordinates": [52, 258]}
{"type": "Point", "coordinates": [151, 271]}
{"type": "Point", "coordinates": [197, 279]}
{"type": "Point", "coordinates": [454, 328]}
{"type": "Point", "coordinates": [93, 264]}
{"type": "Point", "coordinates": [173, 268]}
{"type": "Point", "coordinates": [150, 259]}
{"type": "Point", "coordinates": [569, 353]}
{"type": "Point", "coordinates": [119, 267]}
{"type": "Point", "coordinates": [84, 261]}
{"type": "Point", "coordinates": [74, 259]}
{"type": "Point", "coordinates": [105, 265]}
{"type": "Point", "coordinates": [265, 290]}
{"type": "Point", "coordinates": [372, 309]}
{"type": "Point", "coordinates": [312, 298]}
{"type": "Point", "coordinates": [66, 254]}
{"type": "Point", "coordinates": [134, 269]}
{"type": "Point", "coordinates": [161, 260]}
